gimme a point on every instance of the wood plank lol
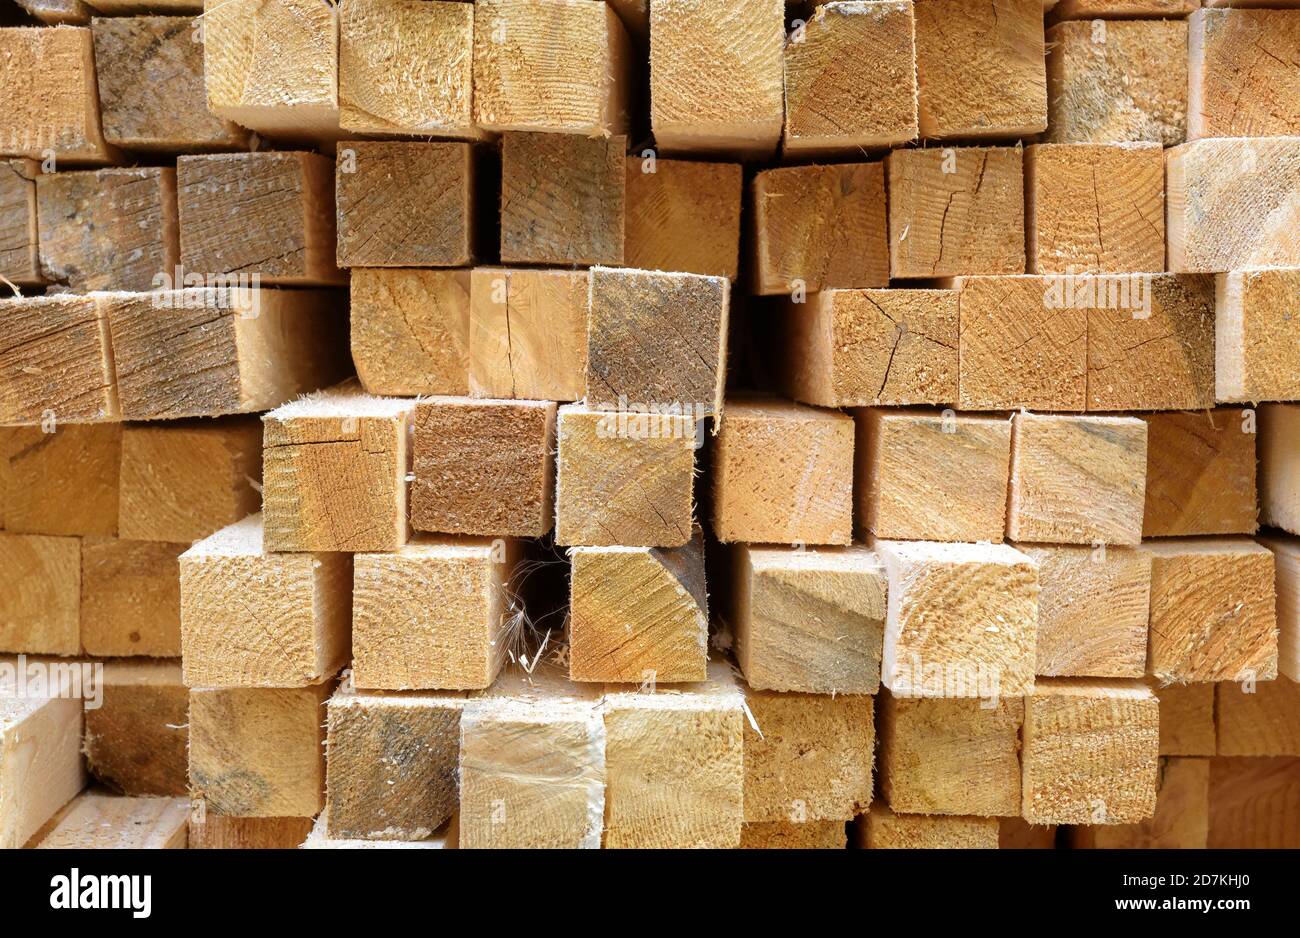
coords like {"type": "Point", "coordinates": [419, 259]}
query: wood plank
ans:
{"type": "Point", "coordinates": [1279, 467]}
{"type": "Point", "coordinates": [792, 835]}
{"type": "Point", "coordinates": [257, 751]}
{"type": "Point", "coordinates": [1124, 81]}
{"type": "Point", "coordinates": [334, 474]}
{"type": "Point", "coordinates": [528, 333]}
{"type": "Point", "coordinates": [101, 821]}
{"type": "Point", "coordinates": [55, 361]}
{"type": "Point", "coordinates": [250, 618]}
{"type": "Point", "coordinates": [273, 66]}
{"type": "Point", "coordinates": [716, 82]}
{"type": "Point", "coordinates": [563, 66]}
{"type": "Point", "coordinates": [248, 833]}
{"type": "Point", "coordinates": [942, 599]}
{"type": "Point", "coordinates": [19, 257]}
{"type": "Point", "coordinates": [391, 764]}
{"type": "Point", "coordinates": [882, 829]}
{"type": "Point", "coordinates": [624, 479]}
{"type": "Point", "coordinates": [1260, 719]}
{"type": "Point", "coordinates": [1180, 821]}
{"type": "Point", "coordinates": [683, 215]}
{"type": "Point", "coordinates": [320, 839]}
{"type": "Point", "coordinates": [410, 330]}
{"type": "Point", "coordinates": [1200, 473]}
{"type": "Point", "coordinates": [1286, 554]}
{"type": "Point", "coordinates": [265, 215]}
{"type": "Point", "coordinates": [405, 204]}
{"type": "Point", "coordinates": [1231, 204]}
{"type": "Point", "coordinates": [1091, 9]}
{"type": "Point", "coordinates": [808, 620]}
{"type": "Point", "coordinates": [808, 757]}
{"type": "Point", "coordinates": [1257, 335]}
{"type": "Point", "coordinates": [657, 339]}
{"type": "Point", "coordinates": [1226, 99]}
{"type": "Point", "coordinates": [956, 211]}
{"type": "Point", "coordinates": [562, 199]}
{"type": "Point", "coordinates": [184, 481]}
{"type": "Point", "coordinates": [1090, 752]}
{"type": "Point", "coordinates": [64, 482]}
{"type": "Point", "coordinates": [638, 614]}
{"type": "Point", "coordinates": [40, 612]}
{"type": "Point", "coordinates": [210, 351]}
{"type": "Point", "coordinates": [1092, 610]}
{"type": "Point", "coordinates": [130, 598]}
{"type": "Point", "coordinates": [40, 762]}
{"type": "Point", "coordinates": [850, 348]}
{"type": "Point", "coordinates": [532, 765]}
{"type": "Point", "coordinates": [58, 12]}
{"type": "Point", "coordinates": [1186, 719]}
{"type": "Point", "coordinates": [150, 75]}
{"type": "Point", "coordinates": [136, 741]}
{"type": "Point", "coordinates": [951, 756]}
{"type": "Point", "coordinates": [406, 68]}
{"type": "Point", "coordinates": [783, 474]}
{"type": "Point", "coordinates": [674, 768]}
{"type": "Point", "coordinates": [818, 227]}
{"type": "Point", "coordinates": [435, 614]}
{"type": "Point", "coordinates": [1212, 611]}
{"type": "Point", "coordinates": [1077, 480]}
{"type": "Point", "coordinates": [48, 96]}
{"type": "Point", "coordinates": [922, 475]}
{"type": "Point", "coordinates": [1254, 804]}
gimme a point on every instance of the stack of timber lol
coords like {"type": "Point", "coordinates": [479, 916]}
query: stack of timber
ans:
{"type": "Point", "coordinates": [430, 424]}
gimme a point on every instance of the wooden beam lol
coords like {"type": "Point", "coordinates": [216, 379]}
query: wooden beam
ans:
{"type": "Point", "coordinates": [40, 612]}
{"type": "Point", "coordinates": [1286, 554]}
{"type": "Point", "coordinates": [130, 598]}
{"type": "Point", "coordinates": [1250, 803]}
{"type": "Point", "coordinates": [1200, 473]}
{"type": "Point", "coordinates": [1228, 203]}
{"type": "Point", "coordinates": [137, 7]}
{"type": "Point", "coordinates": [1212, 611]}
{"type": "Point", "coordinates": [956, 211]}
{"type": "Point", "coordinates": [1093, 606]}
{"type": "Point", "coordinates": [1279, 468]}
{"type": "Point", "coordinates": [320, 839]}
{"type": "Point", "coordinates": [48, 96]}
{"type": "Point", "coordinates": [435, 614]}
{"type": "Point", "coordinates": [819, 227]}
{"type": "Point", "coordinates": [1090, 752]}
{"type": "Point", "coordinates": [184, 481]}
{"type": "Point", "coordinates": [1186, 719]}
{"type": "Point", "coordinates": [1260, 719]}
{"type": "Point", "coordinates": [1227, 100]}
{"type": "Point", "coordinates": [250, 618]}
{"type": "Point", "coordinates": [686, 316]}
{"type": "Point", "coordinates": [562, 67]}
{"type": "Point", "coordinates": [922, 475]}
{"type": "Point", "coordinates": [791, 835]}
{"type": "Point", "coordinates": [808, 620]}
{"type": "Point", "coordinates": [624, 479]}
{"type": "Point", "coordinates": [334, 473]}
{"type": "Point", "coordinates": [405, 204]}
{"type": "Point", "coordinates": [1017, 348]}
{"type": "Point", "coordinates": [483, 467]}
{"type": "Point", "coordinates": [407, 68]}
{"type": "Point", "coordinates": [40, 762]}
{"type": "Point", "coordinates": [562, 199]}
{"type": "Point", "coordinates": [1180, 821]}
{"type": "Point", "coordinates": [1000, 93]}
{"type": "Point", "coordinates": [683, 216]}
{"type": "Point", "coordinates": [1123, 81]}
{"type": "Point", "coordinates": [264, 215]}
{"type": "Point", "coordinates": [63, 482]}
{"type": "Point", "coordinates": [951, 756]}
{"type": "Point", "coordinates": [150, 75]}
{"type": "Point", "coordinates": [716, 83]}
{"type": "Point", "coordinates": [674, 769]}
{"type": "Point", "coordinates": [1125, 231]}
{"type": "Point", "coordinates": [1077, 480]}
{"type": "Point", "coordinates": [532, 765]}
{"type": "Point", "coordinates": [19, 257]}
{"type": "Point", "coordinates": [942, 599]}
{"type": "Point", "coordinates": [1257, 329]}
{"type": "Point", "coordinates": [808, 757]}
{"type": "Point", "coordinates": [257, 751]}
{"type": "Point", "coordinates": [528, 333]}
{"type": "Point", "coordinates": [638, 614]}
{"type": "Point", "coordinates": [273, 66]}
{"type": "Point", "coordinates": [58, 12]}
{"type": "Point", "coordinates": [391, 764]}
{"type": "Point", "coordinates": [98, 820]}
{"type": "Point", "coordinates": [55, 361]}
{"type": "Point", "coordinates": [248, 833]}
{"type": "Point", "coordinates": [1092, 9]}
{"type": "Point", "coordinates": [136, 741]}
{"type": "Point", "coordinates": [882, 829]}
{"type": "Point", "coordinates": [411, 330]}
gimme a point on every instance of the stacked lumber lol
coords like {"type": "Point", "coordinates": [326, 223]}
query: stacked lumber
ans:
{"type": "Point", "coordinates": [405, 445]}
